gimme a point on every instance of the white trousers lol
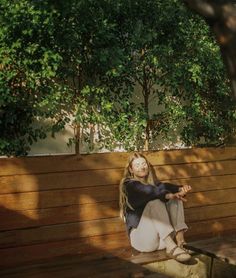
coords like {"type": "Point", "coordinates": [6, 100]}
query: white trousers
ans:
{"type": "Point", "coordinates": [158, 220]}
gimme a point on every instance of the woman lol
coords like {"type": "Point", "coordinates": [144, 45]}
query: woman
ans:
{"type": "Point", "coordinates": [153, 211]}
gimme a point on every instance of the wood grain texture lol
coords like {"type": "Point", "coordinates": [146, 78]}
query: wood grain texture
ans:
{"type": "Point", "coordinates": [76, 266]}
{"type": "Point", "coordinates": [104, 210]}
{"type": "Point", "coordinates": [60, 198]}
{"type": "Point", "coordinates": [50, 216]}
{"type": "Point", "coordinates": [48, 250]}
{"type": "Point", "coordinates": [196, 214]}
{"type": "Point", "coordinates": [59, 205]}
{"type": "Point", "coordinates": [206, 198]}
{"type": "Point", "coordinates": [65, 163]}
{"type": "Point", "coordinates": [60, 232]}
{"type": "Point", "coordinates": [89, 178]}
{"type": "Point", "coordinates": [211, 228]}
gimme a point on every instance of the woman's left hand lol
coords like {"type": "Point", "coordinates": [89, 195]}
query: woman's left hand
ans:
{"type": "Point", "coordinates": [179, 195]}
{"type": "Point", "coordinates": [184, 190]}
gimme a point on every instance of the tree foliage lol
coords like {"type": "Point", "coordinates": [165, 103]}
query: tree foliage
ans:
{"type": "Point", "coordinates": [29, 90]}
{"type": "Point", "coordinates": [85, 60]}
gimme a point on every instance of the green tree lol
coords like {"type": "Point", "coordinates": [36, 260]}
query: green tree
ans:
{"type": "Point", "coordinates": [172, 56]}
{"type": "Point", "coordinates": [95, 65]}
{"type": "Point", "coordinates": [83, 61]}
{"type": "Point", "coordinates": [29, 60]}
{"type": "Point", "coordinates": [175, 63]}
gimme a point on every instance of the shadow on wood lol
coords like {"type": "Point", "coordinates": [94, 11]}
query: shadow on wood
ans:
{"type": "Point", "coordinates": [68, 205]}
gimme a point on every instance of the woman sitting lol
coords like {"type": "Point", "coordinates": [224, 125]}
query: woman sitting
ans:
{"type": "Point", "coordinates": [153, 211]}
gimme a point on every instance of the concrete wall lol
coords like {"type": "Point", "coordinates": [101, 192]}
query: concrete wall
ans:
{"type": "Point", "coordinates": [58, 145]}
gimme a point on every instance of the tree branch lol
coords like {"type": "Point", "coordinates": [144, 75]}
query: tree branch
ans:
{"type": "Point", "coordinates": [221, 16]}
{"type": "Point", "coordinates": [204, 8]}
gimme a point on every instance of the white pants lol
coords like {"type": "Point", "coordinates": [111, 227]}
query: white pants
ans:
{"type": "Point", "coordinates": [158, 220]}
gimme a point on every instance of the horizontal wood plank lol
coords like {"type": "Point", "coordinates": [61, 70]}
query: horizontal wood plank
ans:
{"type": "Point", "coordinates": [45, 182]}
{"type": "Point", "coordinates": [60, 232]}
{"type": "Point", "coordinates": [40, 217]}
{"type": "Point", "coordinates": [211, 198]}
{"type": "Point", "coordinates": [196, 170]}
{"type": "Point", "coordinates": [64, 180]}
{"type": "Point", "coordinates": [82, 246]}
{"type": "Point", "coordinates": [64, 163]}
{"type": "Point", "coordinates": [211, 228]}
{"type": "Point", "coordinates": [196, 214]}
{"type": "Point", "coordinates": [69, 267]}
{"type": "Point", "coordinates": [200, 184]}
{"type": "Point", "coordinates": [53, 181]}
{"type": "Point", "coordinates": [79, 213]}
{"type": "Point", "coordinates": [58, 198]}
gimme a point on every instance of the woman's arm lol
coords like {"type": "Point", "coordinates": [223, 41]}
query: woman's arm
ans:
{"type": "Point", "coordinates": [183, 190]}
{"type": "Point", "coordinates": [170, 187]}
{"type": "Point", "coordinates": [140, 194]}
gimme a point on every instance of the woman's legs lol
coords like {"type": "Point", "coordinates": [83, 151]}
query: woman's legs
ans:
{"type": "Point", "coordinates": [153, 228]}
{"type": "Point", "coordinates": [176, 213]}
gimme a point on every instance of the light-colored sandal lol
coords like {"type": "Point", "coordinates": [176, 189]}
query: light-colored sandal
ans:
{"type": "Point", "coordinates": [179, 257]}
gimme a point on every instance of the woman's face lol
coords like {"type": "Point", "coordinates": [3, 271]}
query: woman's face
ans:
{"type": "Point", "coordinates": [139, 167]}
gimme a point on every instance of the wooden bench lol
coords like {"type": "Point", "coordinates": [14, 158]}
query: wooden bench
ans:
{"type": "Point", "coordinates": [58, 206]}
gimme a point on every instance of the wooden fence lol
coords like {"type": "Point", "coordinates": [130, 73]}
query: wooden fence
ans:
{"type": "Point", "coordinates": [59, 205]}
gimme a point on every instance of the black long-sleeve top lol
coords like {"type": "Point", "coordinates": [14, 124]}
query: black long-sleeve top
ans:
{"type": "Point", "coordinates": [139, 195]}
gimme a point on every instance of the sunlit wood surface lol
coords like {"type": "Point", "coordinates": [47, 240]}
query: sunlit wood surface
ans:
{"type": "Point", "coordinates": [221, 248]}
{"type": "Point", "coordinates": [75, 266]}
{"type": "Point", "coordinates": [68, 205]}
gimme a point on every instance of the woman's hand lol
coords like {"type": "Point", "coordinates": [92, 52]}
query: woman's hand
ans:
{"type": "Point", "coordinates": [179, 195]}
{"type": "Point", "coordinates": [173, 196]}
{"type": "Point", "coordinates": [184, 190]}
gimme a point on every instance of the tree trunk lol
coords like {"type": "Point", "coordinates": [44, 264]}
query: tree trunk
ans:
{"type": "Point", "coordinates": [77, 139]}
{"type": "Point", "coordinates": [146, 94]}
{"type": "Point", "coordinates": [221, 17]}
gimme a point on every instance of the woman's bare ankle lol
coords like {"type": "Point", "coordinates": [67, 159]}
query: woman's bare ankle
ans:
{"type": "Point", "coordinates": [179, 237]}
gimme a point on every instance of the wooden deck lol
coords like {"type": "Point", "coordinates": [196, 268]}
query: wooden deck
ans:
{"type": "Point", "coordinates": [122, 266]}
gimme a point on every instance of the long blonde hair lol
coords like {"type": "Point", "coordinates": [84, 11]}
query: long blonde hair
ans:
{"type": "Point", "coordinates": [151, 179]}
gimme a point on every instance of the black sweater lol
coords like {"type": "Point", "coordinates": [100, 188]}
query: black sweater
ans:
{"type": "Point", "coordinates": [139, 195]}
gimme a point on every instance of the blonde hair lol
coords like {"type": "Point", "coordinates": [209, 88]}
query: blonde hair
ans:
{"type": "Point", "coordinates": [151, 179]}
